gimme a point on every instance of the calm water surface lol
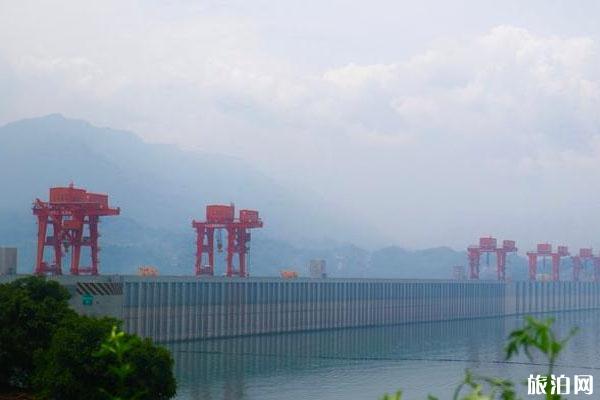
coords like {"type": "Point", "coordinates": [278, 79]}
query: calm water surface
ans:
{"type": "Point", "coordinates": [364, 363]}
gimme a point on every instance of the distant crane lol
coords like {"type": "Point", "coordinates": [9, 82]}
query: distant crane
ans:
{"type": "Point", "coordinates": [545, 250]}
{"type": "Point", "coordinates": [488, 245]}
{"type": "Point", "coordinates": [561, 251]}
{"type": "Point", "coordinates": [580, 261]}
{"type": "Point", "coordinates": [219, 218]}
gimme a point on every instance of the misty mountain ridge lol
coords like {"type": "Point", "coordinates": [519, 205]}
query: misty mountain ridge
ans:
{"type": "Point", "coordinates": [161, 188]}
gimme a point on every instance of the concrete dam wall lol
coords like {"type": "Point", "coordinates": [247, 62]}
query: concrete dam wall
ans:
{"type": "Point", "coordinates": [180, 310]}
{"type": "Point", "coordinates": [187, 308]}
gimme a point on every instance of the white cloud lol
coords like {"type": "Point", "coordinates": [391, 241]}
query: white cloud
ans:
{"type": "Point", "coordinates": [460, 133]}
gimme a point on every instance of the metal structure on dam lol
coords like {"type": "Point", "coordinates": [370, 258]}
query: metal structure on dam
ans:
{"type": "Point", "coordinates": [206, 306]}
{"type": "Point", "coordinates": [189, 308]}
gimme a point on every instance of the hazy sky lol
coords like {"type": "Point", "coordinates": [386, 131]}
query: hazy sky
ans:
{"type": "Point", "coordinates": [438, 121]}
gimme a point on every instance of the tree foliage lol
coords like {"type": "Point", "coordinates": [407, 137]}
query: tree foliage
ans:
{"type": "Point", "coordinates": [46, 348]}
{"type": "Point", "coordinates": [140, 369]}
{"type": "Point", "coordinates": [30, 310]}
{"type": "Point", "coordinates": [85, 360]}
{"type": "Point", "coordinates": [538, 334]}
{"type": "Point", "coordinates": [68, 369]}
{"type": "Point", "coordinates": [152, 373]}
{"type": "Point", "coordinates": [535, 334]}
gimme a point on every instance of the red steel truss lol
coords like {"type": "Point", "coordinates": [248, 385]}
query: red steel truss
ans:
{"type": "Point", "coordinates": [489, 245]}
{"type": "Point", "coordinates": [562, 251]}
{"type": "Point", "coordinates": [68, 212]}
{"type": "Point", "coordinates": [219, 218]}
{"type": "Point", "coordinates": [580, 260]}
{"type": "Point", "coordinates": [545, 250]}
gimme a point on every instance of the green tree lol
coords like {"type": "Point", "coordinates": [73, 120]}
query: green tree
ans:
{"type": "Point", "coordinates": [80, 364]}
{"type": "Point", "coordinates": [135, 364]}
{"type": "Point", "coordinates": [30, 310]}
{"type": "Point", "coordinates": [68, 369]}
{"type": "Point", "coordinates": [152, 370]}
{"type": "Point", "coordinates": [538, 334]}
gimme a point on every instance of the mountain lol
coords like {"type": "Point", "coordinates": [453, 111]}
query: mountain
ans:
{"type": "Point", "coordinates": [155, 184]}
{"type": "Point", "coordinates": [161, 188]}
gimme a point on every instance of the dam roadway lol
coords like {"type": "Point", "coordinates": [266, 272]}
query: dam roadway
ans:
{"type": "Point", "coordinates": [189, 308]}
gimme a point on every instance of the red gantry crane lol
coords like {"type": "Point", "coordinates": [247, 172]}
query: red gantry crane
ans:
{"type": "Point", "coordinates": [542, 250]}
{"type": "Point", "coordinates": [545, 250]}
{"type": "Point", "coordinates": [219, 218]}
{"type": "Point", "coordinates": [489, 245]}
{"type": "Point", "coordinates": [580, 261]}
{"type": "Point", "coordinates": [561, 251]}
{"type": "Point", "coordinates": [68, 212]}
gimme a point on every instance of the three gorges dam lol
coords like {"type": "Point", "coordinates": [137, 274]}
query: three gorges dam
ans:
{"type": "Point", "coordinates": [207, 306]}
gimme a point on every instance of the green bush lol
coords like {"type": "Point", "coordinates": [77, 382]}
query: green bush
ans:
{"type": "Point", "coordinates": [30, 310]}
{"type": "Point", "coordinates": [68, 369]}
{"type": "Point", "coordinates": [141, 370]}
{"type": "Point", "coordinates": [48, 349]}
{"type": "Point", "coordinates": [79, 365]}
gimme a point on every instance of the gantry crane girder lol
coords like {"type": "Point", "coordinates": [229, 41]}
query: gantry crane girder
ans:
{"type": "Point", "coordinates": [545, 250]}
{"type": "Point", "coordinates": [222, 217]}
{"type": "Point", "coordinates": [490, 245]}
{"type": "Point", "coordinates": [580, 260]}
{"type": "Point", "coordinates": [68, 211]}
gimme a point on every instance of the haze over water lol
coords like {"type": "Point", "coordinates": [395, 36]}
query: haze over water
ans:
{"type": "Point", "coordinates": [364, 363]}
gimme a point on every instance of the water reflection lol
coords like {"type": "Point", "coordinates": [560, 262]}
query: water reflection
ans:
{"type": "Point", "coordinates": [330, 364]}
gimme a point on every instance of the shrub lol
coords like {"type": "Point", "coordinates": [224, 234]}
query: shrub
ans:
{"type": "Point", "coordinates": [30, 310]}
{"type": "Point", "coordinates": [89, 358]}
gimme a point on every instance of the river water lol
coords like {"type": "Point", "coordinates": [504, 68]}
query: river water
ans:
{"type": "Point", "coordinates": [364, 363]}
